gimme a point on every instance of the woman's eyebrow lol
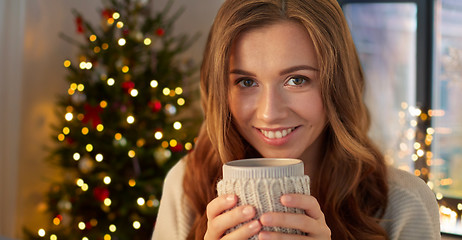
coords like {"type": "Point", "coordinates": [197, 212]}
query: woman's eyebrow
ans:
{"type": "Point", "coordinates": [283, 72]}
{"type": "Point", "coordinates": [297, 68]}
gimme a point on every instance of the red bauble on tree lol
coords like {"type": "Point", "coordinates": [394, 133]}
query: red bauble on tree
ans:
{"type": "Point", "coordinates": [107, 13]}
{"type": "Point", "coordinates": [155, 105]}
{"type": "Point", "coordinates": [100, 193]}
{"type": "Point", "coordinates": [128, 86]}
{"type": "Point", "coordinates": [79, 24]}
{"type": "Point", "coordinates": [92, 115]}
{"type": "Point", "coordinates": [160, 32]}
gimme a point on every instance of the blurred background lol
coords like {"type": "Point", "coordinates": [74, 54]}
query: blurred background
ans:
{"type": "Point", "coordinates": [411, 53]}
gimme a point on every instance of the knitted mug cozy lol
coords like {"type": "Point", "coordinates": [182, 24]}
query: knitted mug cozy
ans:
{"type": "Point", "coordinates": [261, 182]}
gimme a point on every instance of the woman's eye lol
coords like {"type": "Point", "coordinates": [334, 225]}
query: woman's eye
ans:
{"type": "Point", "coordinates": [296, 81]}
{"type": "Point", "coordinates": [247, 83]}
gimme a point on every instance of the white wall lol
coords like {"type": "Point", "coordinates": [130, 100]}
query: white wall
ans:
{"type": "Point", "coordinates": [37, 76]}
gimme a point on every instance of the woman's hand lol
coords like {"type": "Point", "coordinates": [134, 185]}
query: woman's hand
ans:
{"type": "Point", "coordinates": [312, 222]}
{"type": "Point", "coordinates": [219, 221]}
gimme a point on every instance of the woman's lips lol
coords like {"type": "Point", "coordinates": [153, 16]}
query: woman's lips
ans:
{"type": "Point", "coordinates": [276, 136]}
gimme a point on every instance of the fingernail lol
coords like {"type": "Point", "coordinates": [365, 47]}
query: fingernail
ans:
{"type": "Point", "coordinates": [254, 225]}
{"type": "Point", "coordinates": [286, 198]}
{"type": "Point", "coordinates": [266, 219]}
{"type": "Point", "coordinates": [230, 198]}
{"type": "Point", "coordinates": [247, 210]}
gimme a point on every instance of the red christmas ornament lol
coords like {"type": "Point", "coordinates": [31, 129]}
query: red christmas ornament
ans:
{"type": "Point", "coordinates": [128, 86]}
{"type": "Point", "coordinates": [88, 226]}
{"type": "Point", "coordinates": [100, 193]}
{"type": "Point", "coordinates": [125, 32]}
{"type": "Point", "coordinates": [69, 140]}
{"type": "Point", "coordinates": [107, 13]}
{"type": "Point", "coordinates": [92, 114]}
{"type": "Point", "coordinates": [155, 105]}
{"type": "Point", "coordinates": [160, 32]}
{"type": "Point", "coordinates": [177, 148]}
{"type": "Point", "coordinates": [79, 24]}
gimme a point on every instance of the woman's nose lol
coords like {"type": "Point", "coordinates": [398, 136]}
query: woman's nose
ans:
{"type": "Point", "coordinates": [272, 106]}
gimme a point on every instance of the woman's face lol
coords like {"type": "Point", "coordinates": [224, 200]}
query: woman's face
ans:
{"type": "Point", "coordinates": [275, 93]}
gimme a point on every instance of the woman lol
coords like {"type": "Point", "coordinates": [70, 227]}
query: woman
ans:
{"type": "Point", "coordinates": [282, 79]}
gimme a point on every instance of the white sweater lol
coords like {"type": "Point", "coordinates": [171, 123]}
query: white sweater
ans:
{"type": "Point", "coordinates": [412, 211]}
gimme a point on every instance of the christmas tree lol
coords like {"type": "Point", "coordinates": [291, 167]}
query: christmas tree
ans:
{"type": "Point", "coordinates": [122, 124]}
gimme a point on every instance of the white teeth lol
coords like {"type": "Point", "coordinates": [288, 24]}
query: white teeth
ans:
{"type": "Point", "coordinates": [277, 134]}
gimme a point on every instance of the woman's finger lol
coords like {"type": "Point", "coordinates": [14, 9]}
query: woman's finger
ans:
{"type": "Point", "coordinates": [305, 202]}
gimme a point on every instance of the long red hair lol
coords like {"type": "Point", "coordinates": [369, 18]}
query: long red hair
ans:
{"type": "Point", "coordinates": [350, 184]}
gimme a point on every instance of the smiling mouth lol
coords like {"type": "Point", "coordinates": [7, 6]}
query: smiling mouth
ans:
{"type": "Point", "coordinates": [277, 134]}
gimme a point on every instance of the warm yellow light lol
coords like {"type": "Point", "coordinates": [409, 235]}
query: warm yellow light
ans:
{"type": "Point", "coordinates": [93, 222]}
{"type": "Point", "coordinates": [110, 81]}
{"type": "Point", "coordinates": [107, 237]}
{"type": "Point", "coordinates": [80, 182]}
{"type": "Point", "coordinates": [154, 83]}
{"type": "Point", "coordinates": [125, 69]}
{"type": "Point", "coordinates": [131, 182]}
{"type": "Point", "coordinates": [80, 87]}
{"type": "Point", "coordinates": [158, 135]}
{"type": "Point", "coordinates": [53, 237]}
{"type": "Point", "coordinates": [188, 146]}
{"type": "Point", "coordinates": [140, 142]}
{"type": "Point", "coordinates": [116, 15]}
{"type": "Point", "coordinates": [61, 137]}
{"type": "Point", "coordinates": [66, 130]}
{"type": "Point", "coordinates": [173, 143]}
{"type": "Point", "coordinates": [69, 116]}
{"type": "Point", "coordinates": [181, 101]}
{"type": "Point", "coordinates": [112, 228]}
{"type": "Point", "coordinates": [70, 92]}
{"type": "Point", "coordinates": [178, 90]}
{"type": "Point", "coordinates": [430, 131]}
{"type": "Point", "coordinates": [122, 41]}
{"type": "Point", "coordinates": [136, 225]}
{"type": "Point", "coordinates": [147, 41]}
{"type": "Point", "coordinates": [85, 130]}
{"type": "Point", "coordinates": [83, 65]}
{"type": "Point", "coordinates": [73, 86]}
{"type": "Point", "coordinates": [105, 46]}
{"type": "Point", "coordinates": [92, 37]}
{"type": "Point", "coordinates": [120, 24]}
{"type": "Point", "coordinates": [130, 119]}
{"type": "Point", "coordinates": [140, 201]}
{"type": "Point", "coordinates": [96, 49]}
{"type": "Point", "coordinates": [103, 104]}
{"type": "Point", "coordinates": [459, 206]}
{"type": "Point", "coordinates": [439, 196]}
{"type": "Point", "coordinates": [41, 232]}
{"type": "Point", "coordinates": [420, 152]}
{"type": "Point", "coordinates": [99, 157]}
{"type": "Point", "coordinates": [107, 180]}
{"type": "Point", "coordinates": [177, 125]}
{"type": "Point", "coordinates": [76, 156]}
{"type": "Point", "coordinates": [134, 92]}
{"type": "Point", "coordinates": [56, 221]}
{"type": "Point", "coordinates": [84, 238]}
{"type": "Point", "coordinates": [107, 202]}
{"type": "Point", "coordinates": [84, 187]}
{"type": "Point", "coordinates": [416, 145]}
{"type": "Point", "coordinates": [110, 21]}
{"type": "Point", "coordinates": [165, 144]}
{"type": "Point", "coordinates": [100, 127]}
{"type": "Point", "coordinates": [172, 93]}
{"type": "Point", "coordinates": [67, 63]}
{"type": "Point", "coordinates": [414, 157]}
{"type": "Point", "coordinates": [118, 136]}
{"type": "Point", "coordinates": [81, 225]}
{"type": "Point", "coordinates": [131, 153]}
{"type": "Point", "coordinates": [89, 147]}
{"type": "Point", "coordinates": [166, 91]}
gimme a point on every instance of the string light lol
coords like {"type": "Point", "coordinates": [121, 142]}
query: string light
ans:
{"type": "Point", "coordinates": [158, 135]}
{"type": "Point", "coordinates": [105, 46]}
{"type": "Point", "coordinates": [81, 225]}
{"type": "Point", "coordinates": [134, 92]}
{"type": "Point", "coordinates": [173, 143]}
{"type": "Point", "coordinates": [131, 153]}
{"type": "Point", "coordinates": [66, 130]}
{"type": "Point", "coordinates": [130, 119]}
{"type": "Point", "coordinates": [96, 49]}
{"type": "Point", "coordinates": [80, 182]}
{"type": "Point", "coordinates": [80, 87]}
{"type": "Point", "coordinates": [99, 157]}
{"type": "Point", "coordinates": [100, 127]}
{"type": "Point", "coordinates": [120, 24]}
{"type": "Point", "coordinates": [107, 202]}
{"type": "Point", "coordinates": [84, 187]}
{"type": "Point", "coordinates": [92, 37]}
{"type": "Point", "coordinates": [140, 201]}
{"type": "Point", "coordinates": [131, 182]}
{"type": "Point", "coordinates": [41, 232]}
{"type": "Point", "coordinates": [177, 125]}
{"type": "Point", "coordinates": [154, 83]}
{"type": "Point", "coordinates": [67, 63]}
{"type": "Point", "coordinates": [107, 180]}
{"type": "Point", "coordinates": [136, 225]}
{"type": "Point", "coordinates": [76, 156]}
{"type": "Point", "coordinates": [85, 130]}
{"type": "Point", "coordinates": [116, 15]}
{"type": "Point", "coordinates": [178, 91]}
{"type": "Point", "coordinates": [172, 93]}
{"type": "Point", "coordinates": [147, 41]}
{"type": "Point", "coordinates": [61, 137]}
{"type": "Point", "coordinates": [122, 42]}
{"type": "Point", "coordinates": [103, 104]}
{"type": "Point", "coordinates": [69, 116]}
{"type": "Point", "coordinates": [188, 146]}
{"type": "Point", "coordinates": [110, 81]}
{"type": "Point", "coordinates": [112, 228]}
{"type": "Point", "coordinates": [107, 237]}
{"type": "Point", "coordinates": [125, 69]}
{"type": "Point", "coordinates": [118, 136]}
{"type": "Point", "coordinates": [180, 101]}
{"type": "Point", "coordinates": [89, 147]}
{"type": "Point", "coordinates": [53, 237]}
{"type": "Point", "coordinates": [166, 91]}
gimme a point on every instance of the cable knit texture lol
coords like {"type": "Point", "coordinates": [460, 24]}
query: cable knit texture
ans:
{"type": "Point", "coordinates": [264, 194]}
